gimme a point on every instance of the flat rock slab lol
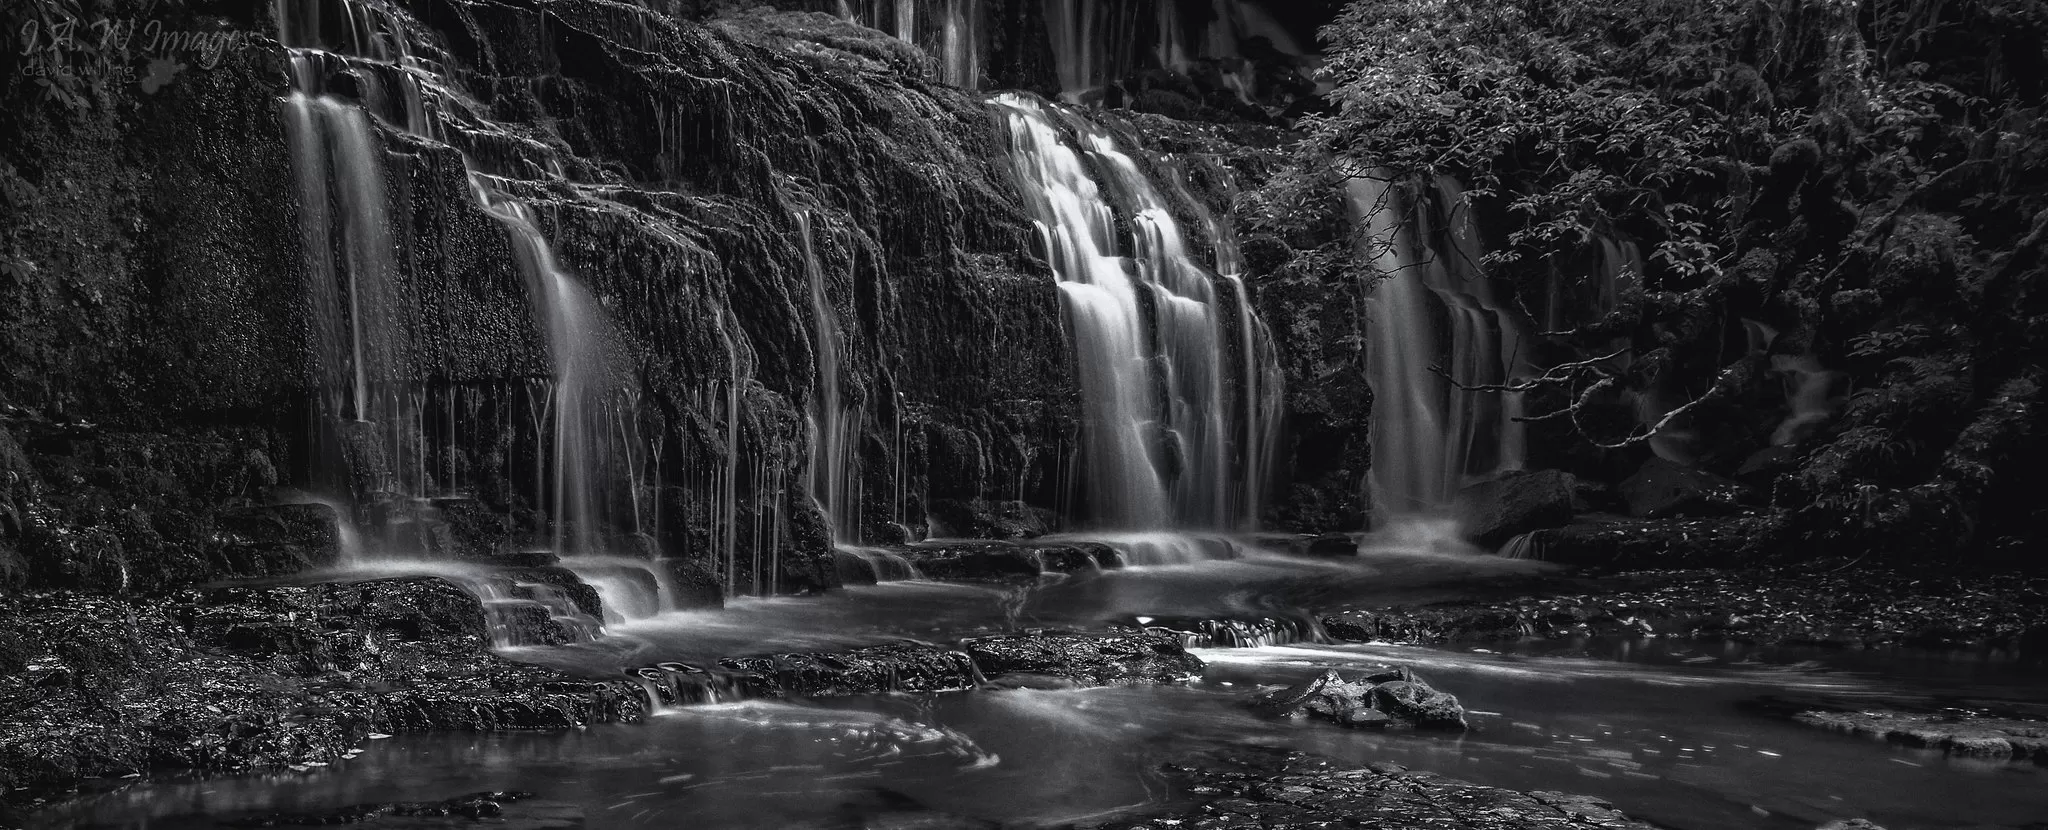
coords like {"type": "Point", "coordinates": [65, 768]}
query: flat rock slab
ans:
{"type": "Point", "coordinates": [1975, 736]}
{"type": "Point", "coordinates": [1091, 659]}
{"type": "Point", "coordinates": [1266, 788]}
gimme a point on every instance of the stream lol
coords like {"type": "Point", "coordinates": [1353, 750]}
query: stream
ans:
{"type": "Point", "coordinates": [1655, 726]}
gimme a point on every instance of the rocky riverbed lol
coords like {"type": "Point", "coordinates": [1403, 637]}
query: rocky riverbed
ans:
{"type": "Point", "coordinates": [99, 688]}
{"type": "Point", "coordinates": [1824, 604]}
{"type": "Point", "coordinates": [1264, 788]}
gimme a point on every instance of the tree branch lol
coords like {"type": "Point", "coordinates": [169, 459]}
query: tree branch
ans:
{"type": "Point", "coordinates": [1560, 374]}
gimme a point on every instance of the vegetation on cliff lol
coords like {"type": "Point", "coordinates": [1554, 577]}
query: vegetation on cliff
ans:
{"type": "Point", "coordinates": [1858, 181]}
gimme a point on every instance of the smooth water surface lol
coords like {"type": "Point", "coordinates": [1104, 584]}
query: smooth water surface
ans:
{"type": "Point", "coordinates": [1656, 727]}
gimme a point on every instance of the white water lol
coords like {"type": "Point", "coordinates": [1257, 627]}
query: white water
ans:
{"type": "Point", "coordinates": [1434, 313]}
{"type": "Point", "coordinates": [834, 464]}
{"type": "Point", "coordinates": [592, 443]}
{"type": "Point", "coordinates": [1159, 447]}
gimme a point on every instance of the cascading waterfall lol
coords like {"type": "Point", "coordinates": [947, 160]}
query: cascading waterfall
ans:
{"type": "Point", "coordinates": [1097, 43]}
{"type": "Point", "coordinates": [1261, 385]}
{"type": "Point", "coordinates": [949, 30]}
{"type": "Point", "coordinates": [358, 326]}
{"type": "Point", "coordinates": [1434, 317]}
{"type": "Point", "coordinates": [1149, 338]}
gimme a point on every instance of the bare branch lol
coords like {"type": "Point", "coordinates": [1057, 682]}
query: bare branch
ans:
{"type": "Point", "coordinates": [1715, 391]}
{"type": "Point", "coordinates": [1560, 374]}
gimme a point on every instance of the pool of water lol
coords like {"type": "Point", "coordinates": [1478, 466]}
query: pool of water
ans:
{"type": "Point", "coordinates": [1656, 727]}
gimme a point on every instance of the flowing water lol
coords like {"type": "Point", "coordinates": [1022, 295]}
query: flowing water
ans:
{"type": "Point", "coordinates": [1436, 330]}
{"type": "Point", "coordinates": [1098, 43]}
{"type": "Point", "coordinates": [1181, 396]}
{"type": "Point", "coordinates": [1156, 353]}
{"type": "Point", "coordinates": [1656, 727]}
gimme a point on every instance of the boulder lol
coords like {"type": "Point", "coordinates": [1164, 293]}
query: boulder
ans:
{"type": "Point", "coordinates": [1288, 700]}
{"type": "Point", "coordinates": [1416, 702]}
{"type": "Point", "coordinates": [1391, 697]}
{"type": "Point", "coordinates": [1663, 489]}
{"type": "Point", "coordinates": [1492, 512]}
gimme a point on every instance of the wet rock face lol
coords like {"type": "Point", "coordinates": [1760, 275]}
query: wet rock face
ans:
{"type": "Point", "coordinates": [1266, 788]}
{"type": "Point", "coordinates": [1329, 403]}
{"type": "Point", "coordinates": [132, 304]}
{"type": "Point", "coordinates": [1394, 697]}
{"type": "Point", "coordinates": [192, 312]}
{"type": "Point", "coordinates": [274, 540]}
{"type": "Point", "coordinates": [85, 507]}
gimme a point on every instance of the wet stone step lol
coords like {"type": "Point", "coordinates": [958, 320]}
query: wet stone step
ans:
{"type": "Point", "coordinates": [539, 582]}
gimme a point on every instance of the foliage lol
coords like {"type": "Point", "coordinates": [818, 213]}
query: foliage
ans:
{"type": "Point", "coordinates": [1865, 175]}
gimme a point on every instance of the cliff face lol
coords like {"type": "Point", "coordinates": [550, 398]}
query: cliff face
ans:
{"type": "Point", "coordinates": [156, 273]}
{"type": "Point", "coordinates": [202, 304]}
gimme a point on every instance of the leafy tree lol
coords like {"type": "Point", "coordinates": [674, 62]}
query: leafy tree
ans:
{"type": "Point", "coordinates": [1868, 175]}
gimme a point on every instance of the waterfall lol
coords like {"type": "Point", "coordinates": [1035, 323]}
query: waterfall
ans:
{"type": "Point", "coordinates": [1434, 313]}
{"type": "Point", "coordinates": [1150, 338]}
{"type": "Point", "coordinates": [949, 30]}
{"type": "Point", "coordinates": [584, 413]}
{"type": "Point", "coordinates": [356, 321]}
{"type": "Point", "coordinates": [1261, 385]}
{"type": "Point", "coordinates": [1096, 43]}
{"type": "Point", "coordinates": [1812, 391]}
{"type": "Point", "coordinates": [835, 431]}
